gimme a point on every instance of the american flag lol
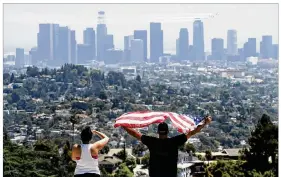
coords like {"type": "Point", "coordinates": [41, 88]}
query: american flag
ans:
{"type": "Point", "coordinates": [183, 123]}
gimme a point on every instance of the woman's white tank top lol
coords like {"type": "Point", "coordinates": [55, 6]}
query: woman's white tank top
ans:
{"type": "Point", "coordinates": [87, 163]}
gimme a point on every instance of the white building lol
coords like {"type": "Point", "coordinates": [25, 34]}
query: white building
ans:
{"type": "Point", "coordinates": [253, 60]}
{"type": "Point", "coordinates": [137, 54]}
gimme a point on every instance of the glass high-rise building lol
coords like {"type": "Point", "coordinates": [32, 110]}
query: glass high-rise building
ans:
{"type": "Point", "coordinates": [183, 44]}
{"type": "Point", "coordinates": [73, 47]}
{"type": "Point", "coordinates": [127, 48]}
{"type": "Point", "coordinates": [89, 38]}
{"type": "Point", "coordinates": [232, 42]}
{"type": "Point", "coordinates": [137, 54]}
{"type": "Point", "coordinates": [19, 58]}
{"type": "Point", "coordinates": [250, 48]}
{"type": "Point", "coordinates": [217, 49]}
{"type": "Point", "coordinates": [275, 51]}
{"type": "Point", "coordinates": [142, 34]}
{"type": "Point", "coordinates": [64, 45]}
{"type": "Point", "coordinates": [45, 42]}
{"type": "Point", "coordinates": [198, 40]}
{"type": "Point", "coordinates": [101, 35]}
{"type": "Point", "coordinates": [266, 47]}
{"type": "Point", "coordinates": [156, 42]}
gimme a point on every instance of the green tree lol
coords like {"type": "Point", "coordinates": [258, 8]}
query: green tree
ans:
{"type": "Point", "coordinates": [189, 147]}
{"type": "Point", "coordinates": [138, 78]}
{"type": "Point", "coordinates": [123, 171]}
{"type": "Point", "coordinates": [102, 95]}
{"type": "Point", "coordinates": [130, 163]}
{"type": "Point", "coordinates": [263, 145]}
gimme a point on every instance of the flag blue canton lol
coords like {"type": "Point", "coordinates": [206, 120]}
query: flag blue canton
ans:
{"type": "Point", "coordinates": [196, 119]}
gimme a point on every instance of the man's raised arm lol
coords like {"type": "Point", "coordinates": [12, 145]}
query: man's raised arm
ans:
{"type": "Point", "coordinates": [199, 127]}
{"type": "Point", "coordinates": [133, 133]}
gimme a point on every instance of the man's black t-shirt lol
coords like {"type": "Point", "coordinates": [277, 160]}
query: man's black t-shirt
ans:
{"type": "Point", "coordinates": [163, 155]}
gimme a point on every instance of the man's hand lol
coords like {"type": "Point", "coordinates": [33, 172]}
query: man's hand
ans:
{"type": "Point", "coordinates": [207, 120]}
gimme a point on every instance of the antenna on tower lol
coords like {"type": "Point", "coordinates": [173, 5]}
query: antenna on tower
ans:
{"type": "Point", "coordinates": [101, 17]}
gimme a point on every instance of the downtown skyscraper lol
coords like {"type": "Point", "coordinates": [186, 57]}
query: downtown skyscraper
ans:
{"type": "Point", "coordinates": [156, 42]}
{"type": "Point", "coordinates": [198, 41]}
{"type": "Point", "coordinates": [73, 47]}
{"type": "Point", "coordinates": [127, 48]}
{"type": "Point", "coordinates": [19, 58]}
{"type": "Point", "coordinates": [266, 47]}
{"type": "Point", "coordinates": [217, 49]}
{"type": "Point", "coordinates": [232, 42]}
{"type": "Point", "coordinates": [45, 42]}
{"type": "Point", "coordinates": [101, 35]}
{"type": "Point", "coordinates": [89, 38]}
{"type": "Point", "coordinates": [137, 54]}
{"type": "Point", "coordinates": [250, 48]}
{"type": "Point", "coordinates": [183, 44]}
{"type": "Point", "coordinates": [64, 45]}
{"type": "Point", "coordinates": [142, 34]}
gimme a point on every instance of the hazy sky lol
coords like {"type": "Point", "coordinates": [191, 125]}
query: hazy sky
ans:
{"type": "Point", "coordinates": [250, 20]}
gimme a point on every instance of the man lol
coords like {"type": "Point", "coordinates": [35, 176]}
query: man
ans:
{"type": "Point", "coordinates": [164, 150]}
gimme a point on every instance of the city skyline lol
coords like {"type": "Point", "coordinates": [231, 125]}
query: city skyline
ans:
{"type": "Point", "coordinates": [171, 22]}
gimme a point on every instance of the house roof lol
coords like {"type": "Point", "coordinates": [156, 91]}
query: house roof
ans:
{"type": "Point", "coordinates": [115, 151]}
{"type": "Point", "coordinates": [106, 159]}
{"type": "Point", "coordinates": [232, 152]}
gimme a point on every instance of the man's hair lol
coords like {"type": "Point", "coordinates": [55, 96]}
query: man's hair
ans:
{"type": "Point", "coordinates": [163, 129]}
{"type": "Point", "coordinates": [86, 134]}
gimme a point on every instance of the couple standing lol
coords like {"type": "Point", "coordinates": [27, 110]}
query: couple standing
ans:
{"type": "Point", "coordinates": [163, 150]}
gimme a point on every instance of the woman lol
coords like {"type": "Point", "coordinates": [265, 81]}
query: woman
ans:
{"type": "Point", "coordinates": [86, 154]}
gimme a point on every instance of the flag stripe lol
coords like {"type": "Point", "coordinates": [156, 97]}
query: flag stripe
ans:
{"type": "Point", "coordinates": [139, 119]}
{"type": "Point", "coordinates": [135, 117]}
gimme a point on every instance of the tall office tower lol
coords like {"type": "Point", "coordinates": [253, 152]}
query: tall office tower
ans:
{"type": "Point", "coordinates": [142, 34]}
{"type": "Point", "coordinates": [232, 42]}
{"type": "Point", "coordinates": [33, 56]}
{"type": "Point", "coordinates": [266, 47]}
{"type": "Point", "coordinates": [250, 48]}
{"type": "Point", "coordinates": [73, 47]}
{"type": "Point", "coordinates": [84, 53]}
{"type": "Point", "coordinates": [156, 42]}
{"type": "Point", "coordinates": [137, 51]}
{"type": "Point", "coordinates": [183, 44]}
{"type": "Point", "coordinates": [101, 34]}
{"type": "Point", "coordinates": [19, 58]}
{"type": "Point", "coordinates": [89, 38]}
{"type": "Point", "coordinates": [45, 42]}
{"type": "Point", "coordinates": [127, 48]}
{"type": "Point", "coordinates": [113, 56]}
{"type": "Point", "coordinates": [198, 40]}
{"type": "Point", "coordinates": [55, 38]}
{"type": "Point", "coordinates": [108, 42]}
{"type": "Point", "coordinates": [64, 46]}
{"type": "Point", "coordinates": [275, 51]}
{"type": "Point", "coordinates": [127, 42]}
{"type": "Point", "coordinates": [217, 49]}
